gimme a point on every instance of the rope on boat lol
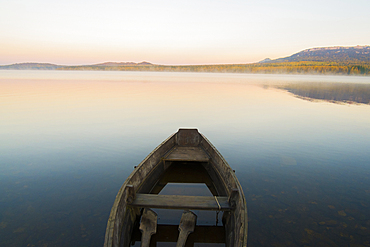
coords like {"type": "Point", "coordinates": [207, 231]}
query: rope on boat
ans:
{"type": "Point", "coordinates": [219, 208]}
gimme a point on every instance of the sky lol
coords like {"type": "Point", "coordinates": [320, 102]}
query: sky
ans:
{"type": "Point", "coordinates": [73, 32]}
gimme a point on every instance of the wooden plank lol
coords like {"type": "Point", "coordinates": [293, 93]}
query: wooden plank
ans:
{"type": "Point", "coordinates": [187, 226]}
{"type": "Point", "coordinates": [182, 202]}
{"type": "Point", "coordinates": [148, 226]}
{"type": "Point", "coordinates": [188, 137]}
{"type": "Point", "coordinates": [187, 154]}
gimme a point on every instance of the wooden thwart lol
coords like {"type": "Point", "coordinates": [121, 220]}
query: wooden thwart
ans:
{"type": "Point", "coordinates": [192, 154]}
{"type": "Point", "coordinates": [218, 203]}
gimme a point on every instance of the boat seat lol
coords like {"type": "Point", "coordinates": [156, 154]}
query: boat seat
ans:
{"type": "Point", "coordinates": [193, 154]}
{"type": "Point", "coordinates": [213, 203]}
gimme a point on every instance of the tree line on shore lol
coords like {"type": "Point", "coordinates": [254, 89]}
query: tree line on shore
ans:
{"type": "Point", "coordinates": [302, 67]}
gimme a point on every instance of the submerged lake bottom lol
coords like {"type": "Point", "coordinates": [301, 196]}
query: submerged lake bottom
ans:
{"type": "Point", "coordinates": [68, 141]}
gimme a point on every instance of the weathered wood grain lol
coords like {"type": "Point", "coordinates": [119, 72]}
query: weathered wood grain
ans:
{"type": "Point", "coordinates": [186, 147]}
{"type": "Point", "coordinates": [187, 226]}
{"type": "Point", "coordinates": [182, 202]}
{"type": "Point", "coordinates": [194, 154]}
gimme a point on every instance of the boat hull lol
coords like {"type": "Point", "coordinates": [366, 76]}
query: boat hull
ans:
{"type": "Point", "coordinates": [187, 146]}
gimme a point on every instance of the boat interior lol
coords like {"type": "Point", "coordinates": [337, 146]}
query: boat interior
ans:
{"type": "Point", "coordinates": [182, 194]}
{"type": "Point", "coordinates": [182, 178]}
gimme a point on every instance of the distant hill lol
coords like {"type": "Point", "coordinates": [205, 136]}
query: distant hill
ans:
{"type": "Point", "coordinates": [266, 60]}
{"type": "Point", "coordinates": [49, 66]}
{"type": "Point", "coordinates": [326, 60]}
{"type": "Point", "coordinates": [25, 66]}
{"type": "Point", "coordinates": [122, 64]}
{"type": "Point", "coordinates": [339, 54]}
{"type": "Point", "coordinates": [129, 66]}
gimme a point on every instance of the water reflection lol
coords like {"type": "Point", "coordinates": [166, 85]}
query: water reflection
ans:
{"type": "Point", "coordinates": [69, 140]}
{"type": "Point", "coordinates": [332, 92]}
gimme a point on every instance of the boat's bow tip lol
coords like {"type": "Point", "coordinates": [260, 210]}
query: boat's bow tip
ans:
{"type": "Point", "coordinates": [187, 137]}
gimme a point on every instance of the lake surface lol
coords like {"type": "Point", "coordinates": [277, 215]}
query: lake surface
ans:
{"type": "Point", "coordinates": [69, 139]}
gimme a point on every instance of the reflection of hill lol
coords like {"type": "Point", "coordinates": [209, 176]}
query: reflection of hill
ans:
{"type": "Point", "coordinates": [334, 92]}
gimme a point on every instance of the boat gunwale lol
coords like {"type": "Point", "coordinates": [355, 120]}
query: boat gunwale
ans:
{"type": "Point", "coordinates": [109, 233]}
{"type": "Point", "coordinates": [114, 226]}
{"type": "Point", "coordinates": [239, 187]}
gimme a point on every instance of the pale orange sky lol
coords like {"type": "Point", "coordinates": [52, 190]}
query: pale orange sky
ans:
{"type": "Point", "coordinates": [172, 32]}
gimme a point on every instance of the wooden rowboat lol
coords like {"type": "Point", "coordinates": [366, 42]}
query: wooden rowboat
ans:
{"type": "Point", "coordinates": [187, 149]}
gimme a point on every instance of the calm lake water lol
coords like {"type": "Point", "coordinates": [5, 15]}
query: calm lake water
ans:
{"type": "Point", "coordinates": [69, 139]}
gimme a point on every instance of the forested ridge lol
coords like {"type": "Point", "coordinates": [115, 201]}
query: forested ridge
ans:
{"type": "Point", "coordinates": [303, 67]}
{"type": "Point", "coordinates": [326, 60]}
{"type": "Point", "coordinates": [355, 54]}
{"type": "Point", "coordinates": [31, 66]}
